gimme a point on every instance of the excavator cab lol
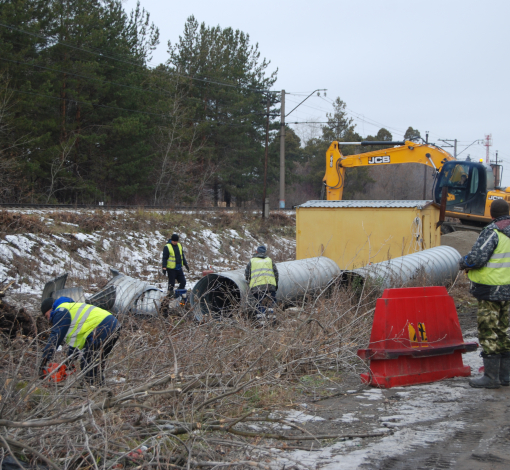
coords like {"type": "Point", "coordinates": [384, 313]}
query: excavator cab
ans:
{"type": "Point", "coordinates": [468, 184]}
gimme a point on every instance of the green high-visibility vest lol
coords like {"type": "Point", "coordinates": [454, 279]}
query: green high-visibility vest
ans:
{"type": "Point", "coordinates": [84, 320]}
{"type": "Point", "coordinates": [497, 271]}
{"type": "Point", "coordinates": [262, 272]}
{"type": "Point", "coordinates": [171, 264]}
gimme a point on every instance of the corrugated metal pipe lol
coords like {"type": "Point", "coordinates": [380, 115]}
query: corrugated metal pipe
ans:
{"type": "Point", "coordinates": [437, 266]}
{"type": "Point", "coordinates": [132, 295]}
{"type": "Point", "coordinates": [220, 293]}
{"type": "Point", "coordinates": [122, 294]}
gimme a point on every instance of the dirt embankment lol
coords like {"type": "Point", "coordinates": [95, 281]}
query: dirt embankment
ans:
{"type": "Point", "coordinates": [461, 241]}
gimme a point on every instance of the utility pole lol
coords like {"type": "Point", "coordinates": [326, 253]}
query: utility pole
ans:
{"type": "Point", "coordinates": [282, 152]}
{"type": "Point", "coordinates": [265, 211]}
{"type": "Point", "coordinates": [425, 170]}
{"type": "Point", "coordinates": [497, 171]}
{"type": "Point", "coordinates": [454, 146]}
{"type": "Point", "coordinates": [488, 143]}
{"type": "Point", "coordinates": [282, 143]}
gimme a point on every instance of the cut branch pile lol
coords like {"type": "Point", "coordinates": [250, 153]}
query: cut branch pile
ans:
{"type": "Point", "coordinates": [186, 395]}
{"type": "Point", "coordinates": [14, 321]}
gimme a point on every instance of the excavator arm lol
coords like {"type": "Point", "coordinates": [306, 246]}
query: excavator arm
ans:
{"type": "Point", "coordinates": [406, 152]}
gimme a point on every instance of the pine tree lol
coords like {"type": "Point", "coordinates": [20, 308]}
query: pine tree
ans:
{"type": "Point", "coordinates": [81, 98]}
{"type": "Point", "coordinates": [226, 94]}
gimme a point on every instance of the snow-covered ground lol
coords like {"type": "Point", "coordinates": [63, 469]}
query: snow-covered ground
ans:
{"type": "Point", "coordinates": [412, 417]}
{"type": "Point", "coordinates": [31, 259]}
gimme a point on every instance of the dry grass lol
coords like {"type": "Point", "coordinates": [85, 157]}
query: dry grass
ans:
{"type": "Point", "coordinates": [12, 222]}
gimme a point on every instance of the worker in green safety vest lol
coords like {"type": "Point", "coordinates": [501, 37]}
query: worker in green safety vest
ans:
{"type": "Point", "coordinates": [488, 267]}
{"type": "Point", "coordinates": [172, 262]}
{"type": "Point", "coordinates": [83, 327]}
{"type": "Point", "coordinates": [262, 276]}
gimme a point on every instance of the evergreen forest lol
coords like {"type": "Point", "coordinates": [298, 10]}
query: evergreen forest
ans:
{"type": "Point", "coordinates": [87, 117]}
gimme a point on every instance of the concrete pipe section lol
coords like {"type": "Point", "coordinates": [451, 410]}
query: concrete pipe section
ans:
{"type": "Point", "coordinates": [220, 293]}
{"type": "Point", "coordinates": [437, 266]}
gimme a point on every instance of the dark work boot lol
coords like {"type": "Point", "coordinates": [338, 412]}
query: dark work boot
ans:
{"type": "Point", "coordinates": [490, 377]}
{"type": "Point", "coordinates": [504, 369]}
{"type": "Point", "coordinates": [170, 293]}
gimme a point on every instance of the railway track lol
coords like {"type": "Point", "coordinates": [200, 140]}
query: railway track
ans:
{"type": "Point", "coordinates": [133, 207]}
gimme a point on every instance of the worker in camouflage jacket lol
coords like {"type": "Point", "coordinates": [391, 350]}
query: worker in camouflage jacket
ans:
{"type": "Point", "coordinates": [488, 268]}
{"type": "Point", "coordinates": [262, 276]}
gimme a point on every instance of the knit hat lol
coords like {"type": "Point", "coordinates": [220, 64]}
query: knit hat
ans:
{"type": "Point", "coordinates": [261, 250]}
{"type": "Point", "coordinates": [499, 208]}
{"type": "Point", "coordinates": [46, 305]}
{"type": "Point", "coordinates": [175, 237]}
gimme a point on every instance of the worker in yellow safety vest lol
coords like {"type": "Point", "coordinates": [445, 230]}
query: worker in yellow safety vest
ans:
{"type": "Point", "coordinates": [262, 276]}
{"type": "Point", "coordinates": [83, 327]}
{"type": "Point", "coordinates": [172, 263]}
{"type": "Point", "coordinates": [488, 267]}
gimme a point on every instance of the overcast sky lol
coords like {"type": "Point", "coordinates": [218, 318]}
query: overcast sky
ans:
{"type": "Point", "coordinates": [438, 65]}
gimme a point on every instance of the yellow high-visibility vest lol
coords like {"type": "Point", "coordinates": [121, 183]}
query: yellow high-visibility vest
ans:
{"type": "Point", "coordinates": [171, 264]}
{"type": "Point", "coordinates": [84, 320]}
{"type": "Point", "coordinates": [262, 272]}
{"type": "Point", "coordinates": [497, 270]}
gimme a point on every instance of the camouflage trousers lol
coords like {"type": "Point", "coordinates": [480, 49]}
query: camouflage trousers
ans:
{"type": "Point", "coordinates": [492, 326]}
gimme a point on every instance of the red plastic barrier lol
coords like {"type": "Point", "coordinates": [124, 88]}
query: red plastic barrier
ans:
{"type": "Point", "coordinates": [416, 338]}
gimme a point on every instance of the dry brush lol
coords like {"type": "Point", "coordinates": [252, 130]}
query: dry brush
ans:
{"type": "Point", "coordinates": [182, 394]}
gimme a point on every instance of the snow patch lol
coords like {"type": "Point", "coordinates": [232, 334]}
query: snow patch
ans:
{"type": "Point", "coordinates": [300, 417]}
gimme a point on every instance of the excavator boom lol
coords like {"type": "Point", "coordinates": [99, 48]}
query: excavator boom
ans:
{"type": "Point", "coordinates": [409, 152]}
{"type": "Point", "coordinates": [471, 186]}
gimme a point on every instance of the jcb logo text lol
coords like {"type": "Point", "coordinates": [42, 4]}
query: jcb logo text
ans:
{"type": "Point", "coordinates": [373, 160]}
{"type": "Point", "coordinates": [493, 198]}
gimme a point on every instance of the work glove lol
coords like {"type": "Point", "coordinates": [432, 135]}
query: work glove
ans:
{"type": "Point", "coordinates": [164, 272]}
{"type": "Point", "coordinates": [187, 267]}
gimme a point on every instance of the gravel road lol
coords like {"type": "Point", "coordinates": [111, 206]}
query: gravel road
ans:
{"type": "Point", "coordinates": [443, 425]}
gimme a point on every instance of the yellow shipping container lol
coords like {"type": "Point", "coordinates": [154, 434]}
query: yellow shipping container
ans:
{"type": "Point", "coordinates": [355, 233]}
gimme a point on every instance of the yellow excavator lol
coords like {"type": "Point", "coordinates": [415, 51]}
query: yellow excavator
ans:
{"type": "Point", "coordinates": [471, 186]}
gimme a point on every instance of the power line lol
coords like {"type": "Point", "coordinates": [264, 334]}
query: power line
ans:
{"type": "Point", "coordinates": [85, 102]}
{"type": "Point", "coordinates": [102, 54]}
{"type": "Point", "coordinates": [160, 92]}
{"type": "Point", "coordinates": [216, 123]}
{"type": "Point", "coordinates": [81, 76]}
{"type": "Point", "coordinates": [365, 119]}
{"type": "Point", "coordinates": [309, 106]}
